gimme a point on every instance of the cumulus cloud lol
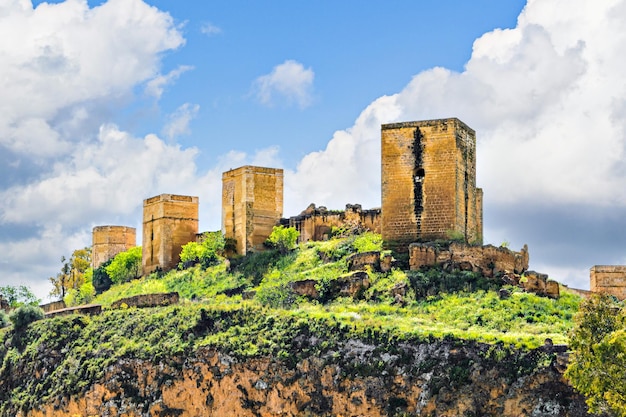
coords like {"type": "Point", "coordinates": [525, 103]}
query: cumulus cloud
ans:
{"type": "Point", "coordinates": [178, 122]}
{"type": "Point", "coordinates": [289, 81]}
{"type": "Point", "coordinates": [547, 101]}
{"type": "Point", "coordinates": [64, 65]}
{"type": "Point", "coordinates": [69, 55]}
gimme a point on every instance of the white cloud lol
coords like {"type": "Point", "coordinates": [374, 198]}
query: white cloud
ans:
{"type": "Point", "coordinates": [546, 99]}
{"type": "Point", "coordinates": [69, 55]}
{"type": "Point", "coordinates": [289, 81]}
{"type": "Point", "coordinates": [156, 86]}
{"type": "Point", "coordinates": [178, 122]}
{"type": "Point", "coordinates": [210, 29]}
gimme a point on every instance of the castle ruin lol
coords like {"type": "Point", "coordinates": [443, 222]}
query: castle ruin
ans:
{"type": "Point", "coordinates": [108, 241]}
{"type": "Point", "coordinates": [252, 204]}
{"type": "Point", "coordinates": [317, 223]}
{"type": "Point", "coordinates": [608, 279]}
{"type": "Point", "coordinates": [169, 222]}
{"type": "Point", "coordinates": [429, 183]}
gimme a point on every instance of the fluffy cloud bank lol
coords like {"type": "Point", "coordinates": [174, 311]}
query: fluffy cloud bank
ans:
{"type": "Point", "coordinates": [547, 100]}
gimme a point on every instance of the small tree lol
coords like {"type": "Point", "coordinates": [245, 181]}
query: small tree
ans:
{"type": "Point", "coordinates": [100, 279]}
{"type": "Point", "coordinates": [4, 319]}
{"type": "Point", "coordinates": [207, 252]}
{"type": "Point", "coordinates": [125, 266]}
{"type": "Point", "coordinates": [597, 367]}
{"type": "Point", "coordinates": [18, 295]}
{"type": "Point", "coordinates": [283, 238]}
{"type": "Point", "coordinates": [72, 274]}
{"type": "Point", "coordinates": [25, 315]}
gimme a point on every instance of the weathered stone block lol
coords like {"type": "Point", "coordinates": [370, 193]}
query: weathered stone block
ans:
{"type": "Point", "coordinates": [305, 287]}
{"type": "Point", "coordinates": [359, 261]}
{"type": "Point", "coordinates": [351, 285]}
{"type": "Point", "coordinates": [609, 279]}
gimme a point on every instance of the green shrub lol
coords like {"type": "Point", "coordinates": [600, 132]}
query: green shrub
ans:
{"type": "Point", "coordinates": [283, 238]}
{"type": "Point", "coordinates": [100, 278]}
{"type": "Point", "coordinates": [4, 319]}
{"type": "Point", "coordinates": [277, 296]}
{"type": "Point", "coordinates": [207, 252]}
{"type": "Point", "coordinates": [24, 315]}
{"type": "Point", "coordinates": [125, 266]}
{"type": "Point", "coordinates": [368, 242]}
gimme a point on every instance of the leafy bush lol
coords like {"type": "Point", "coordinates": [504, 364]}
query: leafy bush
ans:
{"type": "Point", "coordinates": [18, 295]}
{"type": "Point", "coordinates": [206, 253]}
{"type": "Point", "coordinates": [125, 266]}
{"type": "Point", "coordinates": [368, 242]}
{"type": "Point", "coordinates": [80, 296]}
{"type": "Point", "coordinates": [4, 319]}
{"type": "Point", "coordinates": [100, 278]}
{"type": "Point", "coordinates": [24, 315]}
{"type": "Point", "coordinates": [283, 238]}
{"type": "Point", "coordinates": [599, 343]}
{"type": "Point", "coordinates": [432, 281]}
{"type": "Point", "coordinates": [254, 265]}
{"type": "Point", "coordinates": [277, 296]}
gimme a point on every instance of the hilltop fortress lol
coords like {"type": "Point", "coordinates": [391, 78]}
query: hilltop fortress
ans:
{"type": "Point", "coordinates": [429, 193]}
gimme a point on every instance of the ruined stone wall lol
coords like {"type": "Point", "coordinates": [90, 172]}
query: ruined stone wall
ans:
{"type": "Point", "coordinates": [488, 260]}
{"type": "Point", "coordinates": [108, 241]}
{"type": "Point", "coordinates": [252, 204]}
{"type": "Point", "coordinates": [429, 182]}
{"type": "Point", "coordinates": [609, 279]}
{"type": "Point", "coordinates": [169, 222]}
{"type": "Point", "coordinates": [316, 223]}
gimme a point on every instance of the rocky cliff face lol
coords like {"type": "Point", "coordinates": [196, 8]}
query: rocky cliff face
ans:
{"type": "Point", "coordinates": [355, 378]}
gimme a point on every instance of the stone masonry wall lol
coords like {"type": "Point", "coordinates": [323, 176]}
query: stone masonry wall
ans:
{"type": "Point", "coordinates": [252, 204]}
{"type": "Point", "coordinates": [108, 241]}
{"type": "Point", "coordinates": [609, 279]}
{"type": "Point", "coordinates": [169, 222]}
{"type": "Point", "coordinates": [316, 223]}
{"type": "Point", "coordinates": [489, 260]}
{"type": "Point", "coordinates": [429, 182]}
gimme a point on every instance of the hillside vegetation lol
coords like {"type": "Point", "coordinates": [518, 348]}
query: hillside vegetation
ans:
{"type": "Point", "coordinates": [458, 304]}
{"type": "Point", "coordinates": [247, 307]}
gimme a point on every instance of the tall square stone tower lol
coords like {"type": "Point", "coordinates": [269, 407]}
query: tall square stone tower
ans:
{"type": "Point", "coordinates": [108, 241]}
{"type": "Point", "coordinates": [169, 222]}
{"type": "Point", "coordinates": [252, 204]}
{"type": "Point", "coordinates": [429, 183]}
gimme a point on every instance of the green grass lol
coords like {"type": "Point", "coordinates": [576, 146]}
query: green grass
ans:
{"type": "Point", "coordinates": [428, 310]}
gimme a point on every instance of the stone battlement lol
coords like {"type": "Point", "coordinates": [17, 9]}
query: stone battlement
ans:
{"type": "Point", "coordinates": [316, 223]}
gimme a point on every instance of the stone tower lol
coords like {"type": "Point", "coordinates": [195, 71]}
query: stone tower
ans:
{"type": "Point", "coordinates": [252, 204]}
{"type": "Point", "coordinates": [429, 183]}
{"type": "Point", "coordinates": [609, 279]}
{"type": "Point", "coordinates": [108, 241]}
{"type": "Point", "coordinates": [169, 222]}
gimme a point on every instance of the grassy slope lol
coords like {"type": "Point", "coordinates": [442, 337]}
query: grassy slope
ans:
{"type": "Point", "coordinates": [523, 319]}
{"type": "Point", "coordinates": [75, 350]}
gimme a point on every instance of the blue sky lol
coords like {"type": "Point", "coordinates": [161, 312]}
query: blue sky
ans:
{"type": "Point", "coordinates": [107, 103]}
